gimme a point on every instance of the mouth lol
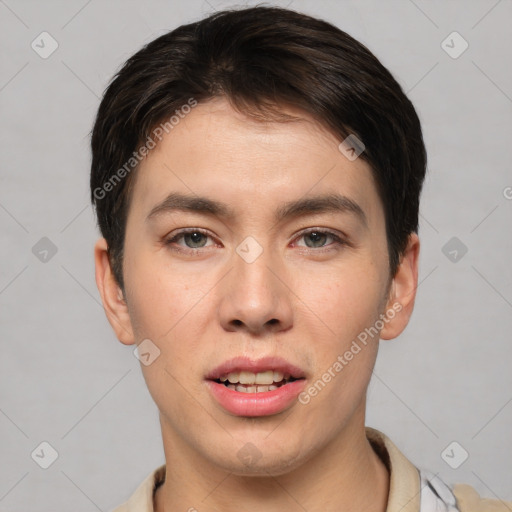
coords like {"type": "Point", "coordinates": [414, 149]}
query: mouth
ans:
{"type": "Point", "coordinates": [261, 382]}
{"type": "Point", "coordinates": [244, 387]}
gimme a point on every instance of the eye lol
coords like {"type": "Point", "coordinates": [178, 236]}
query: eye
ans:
{"type": "Point", "coordinates": [317, 238]}
{"type": "Point", "coordinates": [194, 238]}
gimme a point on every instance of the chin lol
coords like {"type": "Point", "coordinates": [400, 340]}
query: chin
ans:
{"type": "Point", "coordinates": [251, 461]}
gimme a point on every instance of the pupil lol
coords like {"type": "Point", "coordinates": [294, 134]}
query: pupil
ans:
{"type": "Point", "coordinates": [316, 237]}
{"type": "Point", "coordinates": [195, 237]}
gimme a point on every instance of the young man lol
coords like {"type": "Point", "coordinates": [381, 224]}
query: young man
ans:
{"type": "Point", "coordinates": [256, 177]}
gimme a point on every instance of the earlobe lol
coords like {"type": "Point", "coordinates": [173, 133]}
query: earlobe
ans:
{"type": "Point", "coordinates": [112, 296]}
{"type": "Point", "coordinates": [402, 291]}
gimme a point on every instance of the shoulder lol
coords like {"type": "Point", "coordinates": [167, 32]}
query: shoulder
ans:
{"type": "Point", "coordinates": [142, 499]}
{"type": "Point", "coordinates": [408, 493]}
{"type": "Point", "coordinates": [468, 500]}
{"type": "Point", "coordinates": [437, 495]}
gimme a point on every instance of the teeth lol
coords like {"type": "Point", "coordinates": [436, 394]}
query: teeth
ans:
{"type": "Point", "coordinates": [243, 389]}
{"type": "Point", "coordinates": [233, 377]}
{"type": "Point", "coordinates": [265, 378]}
{"type": "Point", "coordinates": [247, 382]}
{"type": "Point", "coordinates": [251, 389]}
{"type": "Point", "coordinates": [262, 378]}
{"type": "Point", "coordinates": [278, 376]}
{"type": "Point", "coordinates": [247, 378]}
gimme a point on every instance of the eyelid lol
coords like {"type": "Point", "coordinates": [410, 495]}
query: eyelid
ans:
{"type": "Point", "coordinates": [339, 238]}
{"type": "Point", "coordinates": [321, 230]}
{"type": "Point", "coordinates": [169, 239]}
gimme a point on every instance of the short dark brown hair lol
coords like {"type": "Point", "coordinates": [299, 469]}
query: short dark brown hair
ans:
{"type": "Point", "coordinates": [260, 59]}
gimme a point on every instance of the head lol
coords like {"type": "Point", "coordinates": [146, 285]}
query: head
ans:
{"type": "Point", "coordinates": [232, 129]}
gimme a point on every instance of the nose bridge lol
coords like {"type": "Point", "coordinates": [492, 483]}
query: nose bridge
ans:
{"type": "Point", "coordinates": [253, 281]}
{"type": "Point", "coordinates": [255, 297]}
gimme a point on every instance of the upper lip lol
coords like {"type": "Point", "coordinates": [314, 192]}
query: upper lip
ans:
{"type": "Point", "coordinates": [239, 364]}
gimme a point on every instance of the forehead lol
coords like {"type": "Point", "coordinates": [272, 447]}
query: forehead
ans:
{"type": "Point", "coordinates": [215, 151]}
{"type": "Point", "coordinates": [215, 128]}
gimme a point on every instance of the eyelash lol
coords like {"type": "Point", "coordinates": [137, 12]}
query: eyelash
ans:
{"type": "Point", "coordinates": [338, 240]}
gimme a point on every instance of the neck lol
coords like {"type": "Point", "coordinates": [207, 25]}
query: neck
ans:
{"type": "Point", "coordinates": [345, 475]}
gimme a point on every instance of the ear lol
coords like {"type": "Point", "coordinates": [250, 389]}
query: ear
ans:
{"type": "Point", "coordinates": [112, 297]}
{"type": "Point", "coordinates": [402, 292]}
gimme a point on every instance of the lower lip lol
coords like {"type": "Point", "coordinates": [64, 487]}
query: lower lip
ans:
{"type": "Point", "coordinates": [265, 403]}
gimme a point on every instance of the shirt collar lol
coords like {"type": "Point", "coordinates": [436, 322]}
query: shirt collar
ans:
{"type": "Point", "coordinates": [404, 483]}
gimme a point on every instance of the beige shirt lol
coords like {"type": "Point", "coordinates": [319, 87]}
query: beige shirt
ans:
{"type": "Point", "coordinates": [410, 489]}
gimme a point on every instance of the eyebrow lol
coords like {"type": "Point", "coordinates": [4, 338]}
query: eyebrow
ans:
{"type": "Point", "coordinates": [329, 203]}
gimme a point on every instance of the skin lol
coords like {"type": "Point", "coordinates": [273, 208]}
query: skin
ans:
{"type": "Point", "coordinates": [303, 299]}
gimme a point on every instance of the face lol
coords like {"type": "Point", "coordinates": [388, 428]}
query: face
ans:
{"type": "Point", "coordinates": [276, 273]}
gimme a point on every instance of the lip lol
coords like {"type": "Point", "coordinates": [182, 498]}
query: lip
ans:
{"type": "Point", "coordinates": [265, 403]}
{"type": "Point", "coordinates": [256, 404]}
{"type": "Point", "coordinates": [238, 364]}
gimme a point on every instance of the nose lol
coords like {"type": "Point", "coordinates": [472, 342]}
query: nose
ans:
{"type": "Point", "coordinates": [255, 297]}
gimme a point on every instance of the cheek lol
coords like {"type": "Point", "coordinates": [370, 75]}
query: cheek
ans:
{"type": "Point", "coordinates": [346, 306]}
{"type": "Point", "coordinates": [345, 352]}
{"type": "Point", "coordinates": [167, 308]}
{"type": "Point", "coordinates": [342, 302]}
{"type": "Point", "coordinates": [159, 300]}
{"type": "Point", "coordinates": [173, 309]}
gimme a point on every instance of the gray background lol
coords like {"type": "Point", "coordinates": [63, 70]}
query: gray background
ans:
{"type": "Point", "coordinates": [65, 379]}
